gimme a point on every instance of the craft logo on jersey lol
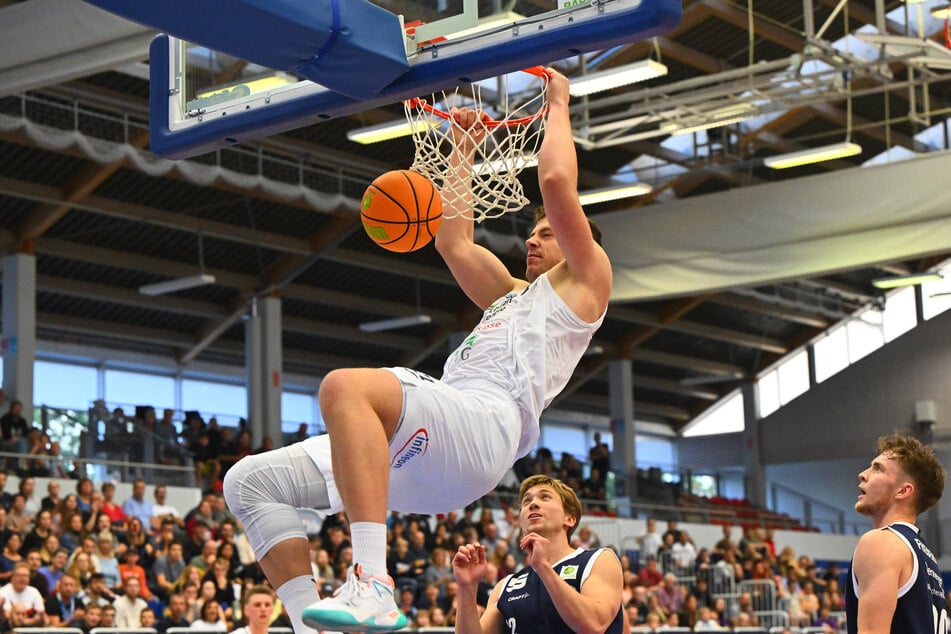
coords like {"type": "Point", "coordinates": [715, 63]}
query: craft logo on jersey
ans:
{"type": "Point", "coordinates": [569, 572]}
{"type": "Point", "coordinates": [417, 445]}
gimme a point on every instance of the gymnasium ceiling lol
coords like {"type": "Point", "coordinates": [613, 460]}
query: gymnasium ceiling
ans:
{"type": "Point", "coordinates": [100, 230]}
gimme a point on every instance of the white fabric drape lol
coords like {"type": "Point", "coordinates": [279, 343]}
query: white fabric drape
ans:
{"type": "Point", "coordinates": [780, 231]}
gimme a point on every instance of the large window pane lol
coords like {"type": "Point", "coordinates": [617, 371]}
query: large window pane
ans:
{"type": "Point", "coordinates": [297, 408]}
{"type": "Point", "coordinates": [767, 393]}
{"type": "Point", "coordinates": [226, 401]}
{"type": "Point", "coordinates": [559, 438]}
{"type": "Point", "coordinates": [831, 353]}
{"type": "Point", "coordinates": [793, 376]}
{"type": "Point", "coordinates": [723, 418]}
{"type": "Point", "coordinates": [900, 315]}
{"type": "Point", "coordinates": [64, 385]}
{"type": "Point", "coordinates": [128, 389]}
{"type": "Point", "coordinates": [865, 335]}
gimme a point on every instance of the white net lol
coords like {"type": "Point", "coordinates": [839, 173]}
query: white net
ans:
{"type": "Point", "coordinates": [488, 186]}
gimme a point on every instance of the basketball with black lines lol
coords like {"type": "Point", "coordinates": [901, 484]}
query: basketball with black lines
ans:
{"type": "Point", "coordinates": [401, 211]}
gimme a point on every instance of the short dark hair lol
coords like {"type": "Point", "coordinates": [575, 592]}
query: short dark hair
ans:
{"type": "Point", "coordinates": [595, 229]}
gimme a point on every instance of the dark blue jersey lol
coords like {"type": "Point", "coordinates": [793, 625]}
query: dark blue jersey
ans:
{"type": "Point", "coordinates": [922, 607]}
{"type": "Point", "coordinates": [527, 608]}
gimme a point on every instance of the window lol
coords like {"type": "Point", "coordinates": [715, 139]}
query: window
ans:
{"type": "Point", "coordinates": [900, 315]}
{"type": "Point", "coordinates": [831, 354]}
{"type": "Point", "coordinates": [936, 297]}
{"type": "Point", "coordinates": [64, 385]}
{"type": "Point", "coordinates": [865, 334]}
{"type": "Point", "coordinates": [793, 376]}
{"type": "Point", "coordinates": [297, 408]}
{"type": "Point", "coordinates": [138, 388]}
{"type": "Point", "coordinates": [767, 393]}
{"type": "Point", "coordinates": [724, 418]}
{"type": "Point", "coordinates": [559, 438]}
{"type": "Point", "coordinates": [215, 399]}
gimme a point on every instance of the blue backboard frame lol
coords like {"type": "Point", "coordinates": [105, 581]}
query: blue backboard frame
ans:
{"type": "Point", "coordinates": [593, 25]}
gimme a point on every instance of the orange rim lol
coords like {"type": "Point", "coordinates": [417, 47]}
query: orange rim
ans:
{"type": "Point", "coordinates": [489, 122]}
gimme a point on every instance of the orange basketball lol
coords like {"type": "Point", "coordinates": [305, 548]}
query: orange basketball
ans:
{"type": "Point", "coordinates": [401, 211]}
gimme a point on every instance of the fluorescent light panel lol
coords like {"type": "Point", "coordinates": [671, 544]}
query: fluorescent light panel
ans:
{"type": "Point", "coordinates": [614, 192]}
{"type": "Point", "coordinates": [385, 131]}
{"type": "Point", "coordinates": [180, 284]}
{"type": "Point", "coordinates": [813, 155]}
{"type": "Point", "coordinates": [942, 13]}
{"type": "Point", "coordinates": [615, 77]}
{"type": "Point", "coordinates": [674, 129]}
{"type": "Point", "coordinates": [396, 322]}
{"type": "Point", "coordinates": [914, 279]}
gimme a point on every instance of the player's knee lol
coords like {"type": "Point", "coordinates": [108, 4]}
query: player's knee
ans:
{"type": "Point", "coordinates": [335, 391]}
{"type": "Point", "coordinates": [236, 494]}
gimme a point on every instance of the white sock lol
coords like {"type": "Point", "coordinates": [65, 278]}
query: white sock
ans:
{"type": "Point", "coordinates": [369, 546]}
{"type": "Point", "coordinates": [296, 595]}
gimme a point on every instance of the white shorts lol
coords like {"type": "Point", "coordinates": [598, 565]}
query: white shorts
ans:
{"type": "Point", "coordinates": [450, 448]}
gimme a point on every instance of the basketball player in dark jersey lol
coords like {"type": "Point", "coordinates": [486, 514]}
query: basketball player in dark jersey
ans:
{"type": "Point", "coordinates": [894, 583]}
{"type": "Point", "coordinates": [561, 589]}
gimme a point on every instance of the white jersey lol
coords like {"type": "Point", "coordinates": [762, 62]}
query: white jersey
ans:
{"type": "Point", "coordinates": [528, 344]}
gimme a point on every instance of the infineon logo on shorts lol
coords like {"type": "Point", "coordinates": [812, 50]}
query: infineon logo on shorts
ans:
{"type": "Point", "coordinates": [417, 445]}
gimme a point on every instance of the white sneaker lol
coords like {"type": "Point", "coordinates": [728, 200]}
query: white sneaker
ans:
{"type": "Point", "coordinates": [364, 602]}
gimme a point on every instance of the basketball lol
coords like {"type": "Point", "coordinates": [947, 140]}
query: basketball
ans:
{"type": "Point", "coordinates": [401, 211]}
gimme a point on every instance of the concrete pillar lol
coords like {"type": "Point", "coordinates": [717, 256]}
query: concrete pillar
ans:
{"type": "Point", "coordinates": [18, 342]}
{"type": "Point", "coordinates": [624, 452]}
{"type": "Point", "coordinates": [755, 472]}
{"type": "Point", "coordinates": [264, 367]}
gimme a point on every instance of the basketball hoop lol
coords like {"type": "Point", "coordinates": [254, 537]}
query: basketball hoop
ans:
{"type": "Point", "coordinates": [515, 127]}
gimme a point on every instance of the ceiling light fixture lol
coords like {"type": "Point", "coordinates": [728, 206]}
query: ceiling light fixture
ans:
{"type": "Point", "coordinates": [180, 284]}
{"type": "Point", "coordinates": [813, 155]}
{"type": "Point", "coordinates": [609, 78]}
{"type": "Point", "coordinates": [673, 128]}
{"type": "Point", "coordinates": [614, 192]}
{"type": "Point", "coordinates": [942, 13]}
{"type": "Point", "coordinates": [385, 131]}
{"type": "Point", "coordinates": [396, 322]}
{"type": "Point", "coordinates": [897, 281]}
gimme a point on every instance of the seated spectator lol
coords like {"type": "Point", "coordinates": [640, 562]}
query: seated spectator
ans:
{"type": "Point", "coordinates": [211, 618]}
{"type": "Point", "coordinates": [109, 506]}
{"type": "Point", "coordinates": [56, 568]}
{"type": "Point", "coordinates": [42, 528]}
{"type": "Point", "coordinates": [650, 575]}
{"type": "Point", "coordinates": [163, 512]}
{"type": "Point", "coordinates": [52, 499]}
{"type": "Point", "coordinates": [61, 607]}
{"type": "Point", "coordinates": [10, 556]}
{"type": "Point", "coordinates": [81, 569]}
{"type": "Point", "coordinates": [19, 592]}
{"type": "Point", "coordinates": [129, 605]}
{"type": "Point", "coordinates": [167, 569]}
{"type": "Point", "coordinates": [105, 561]}
{"type": "Point", "coordinates": [14, 429]}
{"type": "Point", "coordinates": [37, 579]}
{"type": "Point", "coordinates": [108, 616]}
{"type": "Point", "coordinates": [670, 596]}
{"type": "Point", "coordinates": [130, 568]}
{"type": "Point", "coordinates": [147, 618]}
{"type": "Point", "coordinates": [97, 592]}
{"type": "Point", "coordinates": [707, 621]}
{"type": "Point", "coordinates": [18, 520]}
{"type": "Point", "coordinates": [175, 614]}
{"type": "Point", "coordinates": [136, 505]}
{"type": "Point", "coordinates": [87, 618]}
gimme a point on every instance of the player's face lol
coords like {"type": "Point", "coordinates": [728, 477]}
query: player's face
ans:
{"type": "Point", "coordinates": [542, 509]}
{"type": "Point", "coordinates": [878, 485]}
{"type": "Point", "coordinates": [259, 608]}
{"type": "Point", "coordinates": [543, 251]}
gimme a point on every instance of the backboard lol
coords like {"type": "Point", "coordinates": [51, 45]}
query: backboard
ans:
{"type": "Point", "coordinates": [204, 99]}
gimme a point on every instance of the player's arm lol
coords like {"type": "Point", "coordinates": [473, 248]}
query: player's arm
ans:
{"type": "Point", "coordinates": [480, 274]}
{"type": "Point", "coordinates": [881, 563]}
{"type": "Point", "coordinates": [558, 181]}
{"type": "Point", "coordinates": [592, 609]}
{"type": "Point", "coordinates": [468, 566]}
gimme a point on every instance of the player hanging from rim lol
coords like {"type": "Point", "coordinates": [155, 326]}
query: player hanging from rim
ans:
{"type": "Point", "coordinates": [398, 439]}
{"type": "Point", "coordinates": [561, 589]}
{"type": "Point", "coordinates": [894, 583]}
